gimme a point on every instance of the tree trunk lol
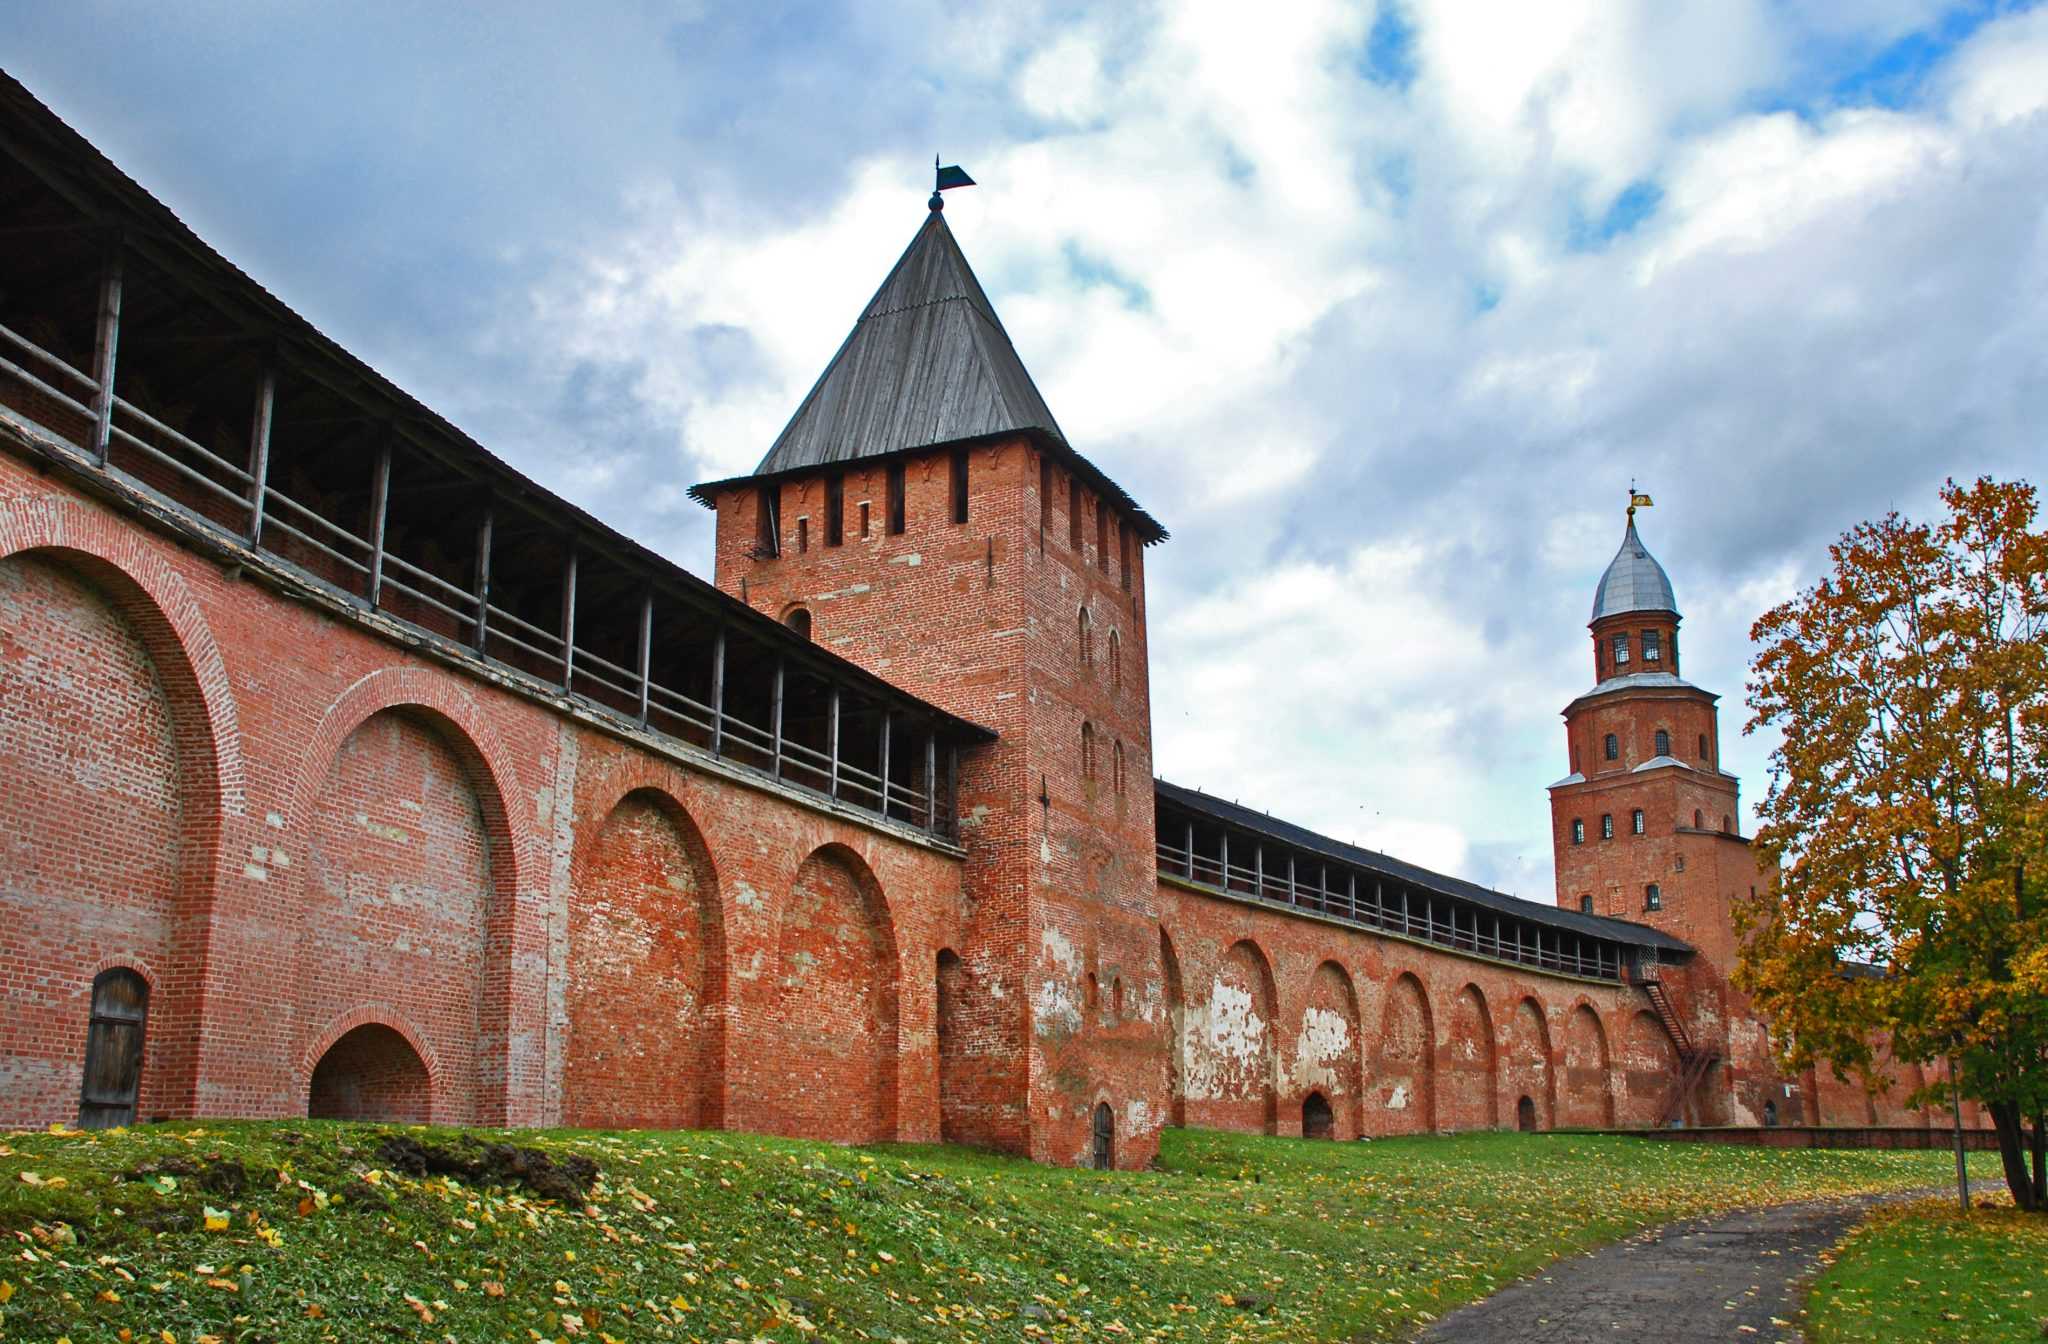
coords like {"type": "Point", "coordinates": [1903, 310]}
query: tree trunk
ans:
{"type": "Point", "coordinates": [2012, 1151]}
{"type": "Point", "coordinates": [2041, 1162]}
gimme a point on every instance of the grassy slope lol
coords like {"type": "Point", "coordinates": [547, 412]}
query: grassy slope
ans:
{"type": "Point", "coordinates": [1927, 1271]}
{"type": "Point", "coordinates": [715, 1236]}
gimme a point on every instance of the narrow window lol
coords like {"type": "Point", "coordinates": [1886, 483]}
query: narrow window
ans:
{"type": "Point", "coordinates": [803, 535]}
{"type": "Point", "coordinates": [958, 482]}
{"type": "Point", "coordinates": [1699, 823]}
{"type": "Point", "coordinates": [1620, 650]}
{"type": "Point", "coordinates": [864, 520]}
{"type": "Point", "coordinates": [1123, 553]}
{"type": "Point", "coordinates": [767, 529]}
{"type": "Point", "coordinates": [1116, 662]}
{"type": "Point", "coordinates": [1102, 536]}
{"type": "Point", "coordinates": [1606, 826]}
{"type": "Point", "coordinates": [1613, 747]}
{"type": "Point", "coordinates": [1575, 758]}
{"type": "Point", "coordinates": [1727, 825]}
{"type": "Point", "coordinates": [113, 1049]}
{"type": "Point", "coordinates": [799, 620]}
{"type": "Point", "coordinates": [1703, 746]}
{"type": "Point", "coordinates": [895, 499]}
{"type": "Point", "coordinates": [1663, 742]}
{"type": "Point", "coordinates": [1586, 904]}
{"type": "Point", "coordinates": [1770, 1115]}
{"type": "Point", "coordinates": [1653, 650]}
{"type": "Point", "coordinates": [835, 510]}
{"type": "Point", "coordinates": [1578, 831]}
{"type": "Point", "coordinates": [1653, 899]}
{"type": "Point", "coordinates": [1044, 498]}
{"type": "Point", "coordinates": [1119, 764]}
{"type": "Point", "coordinates": [1094, 994]}
{"type": "Point", "coordinates": [1088, 752]}
{"type": "Point", "coordinates": [1074, 512]}
{"type": "Point", "coordinates": [1635, 821]}
{"type": "Point", "coordinates": [1084, 640]}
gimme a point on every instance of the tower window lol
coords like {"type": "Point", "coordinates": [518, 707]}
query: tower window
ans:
{"type": "Point", "coordinates": [1727, 824]}
{"type": "Point", "coordinates": [1087, 752]}
{"type": "Point", "coordinates": [1635, 821]}
{"type": "Point", "coordinates": [1117, 760]}
{"type": "Point", "coordinates": [863, 519]}
{"type": "Point", "coordinates": [895, 499]}
{"type": "Point", "coordinates": [1699, 823]}
{"type": "Point", "coordinates": [958, 482]}
{"type": "Point", "coordinates": [1613, 747]}
{"type": "Point", "coordinates": [1653, 899]}
{"type": "Point", "coordinates": [1044, 497]}
{"type": "Point", "coordinates": [1620, 650]}
{"type": "Point", "coordinates": [1578, 831]}
{"type": "Point", "coordinates": [1085, 640]}
{"type": "Point", "coordinates": [1653, 649]}
{"type": "Point", "coordinates": [799, 620]}
{"type": "Point", "coordinates": [835, 510]}
{"type": "Point", "coordinates": [1663, 743]}
{"type": "Point", "coordinates": [1606, 825]}
{"type": "Point", "coordinates": [1102, 536]}
{"type": "Point", "coordinates": [1074, 512]}
{"type": "Point", "coordinates": [1586, 904]}
{"type": "Point", "coordinates": [803, 535]}
{"type": "Point", "coordinates": [1703, 746]}
{"type": "Point", "coordinates": [1123, 554]}
{"type": "Point", "coordinates": [767, 528]}
{"type": "Point", "coordinates": [1116, 662]}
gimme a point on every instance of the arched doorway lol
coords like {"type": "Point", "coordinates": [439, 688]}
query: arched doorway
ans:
{"type": "Point", "coordinates": [371, 1073]}
{"type": "Point", "coordinates": [1318, 1121]}
{"type": "Point", "coordinates": [1103, 1155]}
{"type": "Point", "coordinates": [1770, 1115]}
{"type": "Point", "coordinates": [1525, 1115]}
{"type": "Point", "coordinates": [113, 1049]}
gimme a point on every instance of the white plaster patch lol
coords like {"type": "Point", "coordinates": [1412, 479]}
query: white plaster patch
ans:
{"type": "Point", "coordinates": [1059, 951]}
{"type": "Point", "coordinates": [1398, 1099]}
{"type": "Point", "coordinates": [274, 819]}
{"type": "Point", "coordinates": [1054, 1008]}
{"type": "Point", "coordinates": [1325, 1040]}
{"type": "Point", "coordinates": [747, 898]}
{"type": "Point", "coordinates": [913, 560]}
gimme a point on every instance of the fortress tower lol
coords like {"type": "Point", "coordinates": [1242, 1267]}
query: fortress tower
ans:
{"type": "Point", "coordinates": [923, 516]}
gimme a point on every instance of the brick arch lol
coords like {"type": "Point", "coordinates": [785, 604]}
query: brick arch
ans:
{"type": "Point", "coordinates": [373, 1015]}
{"type": "Point", "coordinates": [1586, 1093]}
{"type": "Point", "coordinates": [1527, 1060]}
{"type": "Point", "coordinates": [1404, 1076]}
{"type": "Point", "coordinates": [148, 593]}
{"type": "Point", "coordinates": [1649, 1066]}
{"type": "Point", "coordinates": [514, 848]}
{"type": "Point", "coordinates": [1329, 1048]}
{"type": "Point", "coordinates": [684, 1081]}
{"type": "Point", "coordinates": [842, 1035]}
{"type": "Point", "coordinates": [1173, 994]}
{"type": "Point", "coordinates": [1470, 1074]}
{"type": "Point", "coordinates": [1243, 1011]}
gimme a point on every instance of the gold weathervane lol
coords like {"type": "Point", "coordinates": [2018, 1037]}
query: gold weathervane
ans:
{"type": "Point", "coordinates": [1636, 500]}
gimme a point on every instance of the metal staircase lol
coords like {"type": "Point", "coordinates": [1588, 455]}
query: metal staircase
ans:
{"type": "Point", "coordinates": [1693, 1062]}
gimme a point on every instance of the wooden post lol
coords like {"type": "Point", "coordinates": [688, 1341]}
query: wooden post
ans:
{"type": "Point", "coordinates": [931, 781]}
{"type": "Point", "coordinates": [259, 449]}
{"type": "Point", "coordinates": [646, 647]}
{"type": "Point", "coordinates": [1293, 897]}
{"type": "Point", "coordinates": [775, 721]}
{"type": "Point", "coordinates": [483, 587]}
{"type": "Point", "coordinates": [569, 620]}
{"type": "Point", "coordinates": [884, 786]}
{"type": "Point", "coordinates": [380, 509]}
{"type": "Point", "coordinates": [106, 347]}
{"type": "Point", "coordinates": [1351, 893]}
{"type": "Point", "coordinates": [1259, 869]}
{"type": "Point", "coordinates": [1189, 867]}
{"type": "Point", "coordinates": [1226, 859]}
{"type": "Point", "coordinates": [718, 692]}
{"type": "Point", "coordinates": [832, 742]}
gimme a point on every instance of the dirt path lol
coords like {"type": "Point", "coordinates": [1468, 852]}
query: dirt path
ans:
{"type": "Point", "coordinates": [1731, 1277]}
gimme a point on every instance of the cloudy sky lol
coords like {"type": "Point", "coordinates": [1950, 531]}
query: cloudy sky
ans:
{"type": "Point", "coordinates": [1378, 307]}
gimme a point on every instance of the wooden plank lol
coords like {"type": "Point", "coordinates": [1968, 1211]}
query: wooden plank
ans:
{"type": "Point", "coordinates": [718, 698]}
{"type": "Point", "coordinates": [483, 587]}
{"type": "Point", "coordinates": [832, 743]}
{"type": "Point", "coordinates": [931, 781]}
{"type": "Point", "coordinates": [569, 619]}
{"type": "Point", "coordinates": [380, 509]}
{"type": "Point", "coordinates": [646, 648]}
{"type": "Point", "coordinates": [775, 719]}
{"type": "Point", "coordinates": [884, 749]}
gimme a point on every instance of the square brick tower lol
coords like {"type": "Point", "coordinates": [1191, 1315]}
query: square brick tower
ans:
{"type": "Point", "coordinates": [923, 515]}
{"type": "Point", "coordinates": [1644, 826]}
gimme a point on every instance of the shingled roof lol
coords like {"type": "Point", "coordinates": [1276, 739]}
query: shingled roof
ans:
{"type": "Point", "coordinates": [928, 364]}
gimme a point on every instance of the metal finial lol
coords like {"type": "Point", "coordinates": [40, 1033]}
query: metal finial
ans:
{"type": "Point", "coordinates": [937, 202]}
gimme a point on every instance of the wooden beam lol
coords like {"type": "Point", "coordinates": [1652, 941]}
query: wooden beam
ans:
{"type": "Point", "coordinates": [569, 620]}
{"type": "Point", "coordinates": [259, 449]}
{"type": "Point", "coordinates": [106, 349]}
{"type": "Point", "coordinates": [718, 693]}
{"type": "Point", "coordinates": [775, 719]}
{"type": "Point", "coordinates": [832, 743]}
{"type": "Point", "coordinates": [1187, 867]}
{"type": "Point", "coordinates": [483, 589]}
{"type": "Point", "coordinates": [884, 772]}
{"type": "Point", "coordinates": [931, 781]}
{"type": "Point", "coordinates": [380, 509]}
{"type": "Point", "coordinates": [646, 647]}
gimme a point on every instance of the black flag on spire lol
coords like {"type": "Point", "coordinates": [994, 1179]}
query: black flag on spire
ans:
{"type": "Point", "coordinates": [947, 178]}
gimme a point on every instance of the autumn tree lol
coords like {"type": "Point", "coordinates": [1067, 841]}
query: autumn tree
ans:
{"type": "Point", "coordinates": [1908, 813]}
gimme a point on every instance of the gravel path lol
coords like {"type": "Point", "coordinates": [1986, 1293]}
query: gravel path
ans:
{"type": "Point", "coordinates": [1732, 1277]}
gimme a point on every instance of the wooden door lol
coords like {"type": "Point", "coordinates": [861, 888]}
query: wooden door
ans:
{"type": "Point", "coordinates": [113, 1050]}
{"type": "Point", "coordinates": [1105, 1137]}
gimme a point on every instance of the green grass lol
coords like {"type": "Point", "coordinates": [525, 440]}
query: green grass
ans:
{"type": "Point", "coordinates": [703, 1236]}
{"type": "Point", "coordinates": [1928, 1271]}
